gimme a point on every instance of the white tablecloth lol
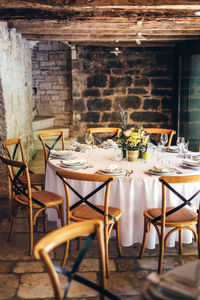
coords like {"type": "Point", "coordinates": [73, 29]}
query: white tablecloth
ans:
{"type": "Point", "coordinates": [131, 194]}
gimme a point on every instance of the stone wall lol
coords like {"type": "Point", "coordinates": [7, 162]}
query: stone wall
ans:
{"type": "Point", "coordinates": [16, 93]}
{"type": "Point", "coordinates": [139, 79]}
{"type": "Point", "coordinates": [52, 82]}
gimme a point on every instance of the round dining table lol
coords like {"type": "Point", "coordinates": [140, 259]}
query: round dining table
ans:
{"type": "Point", "coordinates": [133, 191]}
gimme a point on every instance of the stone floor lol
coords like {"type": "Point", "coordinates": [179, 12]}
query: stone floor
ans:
{"type": "Point", "coordinates": [22, 277]}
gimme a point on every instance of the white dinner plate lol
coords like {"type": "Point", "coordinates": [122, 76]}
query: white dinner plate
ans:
{"type": "Point", "coordinates": [77, 166]}
{"type": "Point", "coordinates": [161, 173]}
{"type": "Point", "coordinates": [193, 167]}
{"type": "Point", "coordinates": [173, 149]}
{"type": "Point", "coordinates": [116, 172]}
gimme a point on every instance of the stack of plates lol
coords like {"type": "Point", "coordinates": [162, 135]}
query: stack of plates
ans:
{"type": "Point", "coordinates": [161, 171]}
{"type": "Point", "coordinates": [61, 154]}
{"type": "Point", "coordinates": [191, 164]}
{"type": "Point", "coordinates": [112, 170]}
{"type": "Point", "coordinates": [173, 149]}
{"type": "Point", "coordinates": [73, 164]}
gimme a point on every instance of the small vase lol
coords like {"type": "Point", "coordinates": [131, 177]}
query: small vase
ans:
{"type": "Point", "coordinates": [133, 155]}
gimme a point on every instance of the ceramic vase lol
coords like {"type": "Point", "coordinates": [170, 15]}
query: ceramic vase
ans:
{"type": "Point", "coordinates": [133, 155]}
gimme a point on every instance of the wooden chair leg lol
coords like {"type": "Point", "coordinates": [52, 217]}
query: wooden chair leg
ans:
{"type": "Point", "coordinates": [144, 238]}
{"type": "Point", "coordinates": [12, 220]}
{"type": "Point", "coordinates": [118, 239]}
{"type": "Point", "coordinates": [106, 251]}
{"type": "Point", "coordinates": [161, 252]}
{"type": "Point", "coordinates": [30, 234]}
{"type": "Point", "coordinates": [65, 254]}
{"type": "Point", "coordinates": [44, 221]}
{"type": "Point", "coordinates": [180, 242]}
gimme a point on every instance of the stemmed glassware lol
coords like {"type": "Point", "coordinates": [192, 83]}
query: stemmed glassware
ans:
{"type": "Point", "coordinates": [164, 139]}
{"type": "Point", "coordinates": [74, 144]}
{"type": "Point", "coordinates": [89, 138]}
{"type": "Point", "coordinates": [181, 144]}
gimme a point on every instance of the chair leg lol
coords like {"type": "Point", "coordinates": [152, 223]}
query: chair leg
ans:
{"type": "Point", "coordinates": [12, 220]}
{"type": "Point", "coordinates": [180, 242]}
{"type": "Point", "coordinates": [106, 251]}
{"type": "Point", "coordinates": [30, 233]}
{"type": "Point", "coordinates": [146, 230]}
{"type": "Point", "coordinates": [161, 252]}
{"type": "Point", "coordinates": [44, 221]}
{"type": "Point", "coordinates": [65, 254]}
{"type": "Point", "coordinates": [118, 238]}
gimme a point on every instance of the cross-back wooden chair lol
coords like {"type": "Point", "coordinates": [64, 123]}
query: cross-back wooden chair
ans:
{"type": "Point", "coordinates": [32, 202]}
{"type": "Point", "coordinates": [177, 217]}
{"type": "Point", "coordinates": [102, 130]}
{"type": "Point", "coordinates": [56, 135]}
{"type": "Point", "coordinates": [83, 207]}
{"type": "Point", "coordinates": [63, 235]}
{"type": "Point", "coordinates": [170, 133]}
{"type": "Point", "coordinates": [14, 149]}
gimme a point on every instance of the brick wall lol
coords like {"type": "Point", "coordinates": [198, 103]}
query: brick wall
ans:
{"type": "Point", "coordinates": [51, 63]}
{"type": "Point", "coordinates": [139, 79]}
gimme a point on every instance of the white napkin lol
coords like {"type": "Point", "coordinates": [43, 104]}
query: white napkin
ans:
{"type": "Point", "coordinates": [60, 152]}
{"type": "Point", "coordinates": [110, 168]}
{"type": "Point", "coordinates": [161, 169]}
{"type": "Point", "coordinates": [191, 162]}
{"type": "Point", "coordinates": [73, 162]}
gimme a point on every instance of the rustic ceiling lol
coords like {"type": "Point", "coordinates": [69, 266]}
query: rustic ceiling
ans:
{"type": "Point", "coordinates": [104, 22]}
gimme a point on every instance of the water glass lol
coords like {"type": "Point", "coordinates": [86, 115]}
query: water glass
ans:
{"type": "Point", "coordinates": [118, 154]}
{"type": "Point", "coordinates": [164, 139]}
{"type": "Point", "coordinates": [89, 138]}
{"type": "Point", "coordinates": [180, 143]}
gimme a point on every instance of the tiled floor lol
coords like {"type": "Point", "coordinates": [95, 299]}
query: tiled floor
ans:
{"type": "Point", "coordinates": [22, 277]}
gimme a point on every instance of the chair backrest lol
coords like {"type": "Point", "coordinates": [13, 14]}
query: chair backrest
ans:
{"type": "Point", "coordinates": [170, 132]}
{"type": "Point", "coordinates": [103, 181]}
{"type": "Point", "coordinates": [49, 139]}
{"type": "Point", "coordinates": [14, 149]}
{"type": "Point", "coordinates": [19, 167]}
{"type": "Point", "coordinates": [102, 130]}
{"type": "Point", "coordinates": [167, 182]}
{"type": "Point", "coordinates": [63, 235]}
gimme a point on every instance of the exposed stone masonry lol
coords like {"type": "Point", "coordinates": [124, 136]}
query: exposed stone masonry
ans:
{"type": "Point", "coordinates": [139, 79]}
{"type": "Point", "coordinates": [51, 63]}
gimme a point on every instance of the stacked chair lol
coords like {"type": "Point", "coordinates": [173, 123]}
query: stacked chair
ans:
{"type": "Point", "coordinates": [115, 132]}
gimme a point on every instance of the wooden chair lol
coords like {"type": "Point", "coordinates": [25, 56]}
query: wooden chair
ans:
{"type": "Point", "coordinates": [64, 235]}
{"type": "Point", "coordinates": [170, 132]}
{"type": "Point", "coordinates": [38, 201]}
{"type": "Point", "coordinates": [83, 209]}
{"type": "Point", "coordinates": [44, 137]}
{"type": "Point", "coordinates": [178, 218]}
{"type": "Point", "coordinates": [110, 130]}
{"type": "Point", "coordinates": [14, 148]}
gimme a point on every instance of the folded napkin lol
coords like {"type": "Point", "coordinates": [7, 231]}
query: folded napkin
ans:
{"type": "Point", "coordinates": [161, 169]}
{"type": "Point", "coordinates": [110, 168]}
{"type": "Point", "coordinates": [74, 161]}
{"type": "Point", "coordinates": [60, 152]}
{"type": "Point", "coordinates": [175, 286]}
{"type": "Point", "coordinates": [191, 162]}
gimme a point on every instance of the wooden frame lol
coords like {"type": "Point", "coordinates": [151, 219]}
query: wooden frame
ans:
{"type": "Point", "coordinates": [28, 200]}
{"type": "Point", "coordinates": [179, 220]}
{"type": "Point", "coordinates": [113, 130]}
{"type": "Point", "coordinates": [43, 136]}
{"type": "Point", "coordinates": [64, 235]}
{"type": "Point", "coordinates": [37, 179]}
{"type": "Point", "coordinates": [85, 212]}
{"type": "Point", "coordinates": [170, 132]}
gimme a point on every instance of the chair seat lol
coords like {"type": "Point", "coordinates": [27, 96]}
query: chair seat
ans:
{"type": "Point", "coordinates": [48, 198]}
{"type": "Point", "coordinates": [182, 215]}
{"type": "Point", "coordinates": [86, 212]}
{"type": "Point", "coordinates": [36, 179]}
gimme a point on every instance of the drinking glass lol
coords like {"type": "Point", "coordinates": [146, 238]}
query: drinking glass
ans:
{"type": "Point", "coordinates": [164, 139]}
{"type": "Point", "coordinates": [180, 143]}
{"type": "Point", "coordinates": [88, 138]}
{"type": "Point", "coordinates": [74, 144]}
{"type": "Point", "coordinates": [118, 154]}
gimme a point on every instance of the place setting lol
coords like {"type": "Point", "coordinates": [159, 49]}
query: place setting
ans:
{"type": "Point", "coordinates": [158, 170]}
{"type": "Point", "coordinates": [74, 164]}
{"type": "Point", "coordinates": [61, 154]}
{"type": "Point", "coordinates": [112, 169]}
{"type": "Point", "coordinates": [191, 164]}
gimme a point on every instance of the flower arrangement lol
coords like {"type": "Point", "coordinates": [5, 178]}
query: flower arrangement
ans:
{"type": "Point", "coordinates": [133, 138]}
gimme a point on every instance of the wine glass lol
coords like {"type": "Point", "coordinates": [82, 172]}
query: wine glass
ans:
{"type": "Point", "coordinates": [180, 143]}
{"type": "Point", "coordinates": [88, 138]}
{"type": "Point", "coordinates": [164, 138]}
{"type": "Point", "coordinates": [74, 144]}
